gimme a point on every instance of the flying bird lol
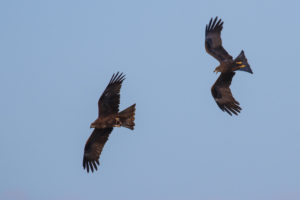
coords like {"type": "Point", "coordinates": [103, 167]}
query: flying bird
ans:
{"type": "Point", "coordinates": [220, 90]}
{"type": "Point", "coordinates": [108, 118]}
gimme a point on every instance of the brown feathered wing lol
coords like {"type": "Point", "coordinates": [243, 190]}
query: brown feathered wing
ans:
{"type": "Point", "coordinates": [93, 148]}
{"type": "Point", "coordinates": [223, 96]}
{"type": "Point", "coordinates": [110, 99]}
{"type": "Point", "coordinates": [108, 104]}
{"type": "Point", "coordinates": [213, 41]}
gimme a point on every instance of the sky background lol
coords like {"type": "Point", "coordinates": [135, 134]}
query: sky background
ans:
{"type": "Point", "coordinates": [56, 58]}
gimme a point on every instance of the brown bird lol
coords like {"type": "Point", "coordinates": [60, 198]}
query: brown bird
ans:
{"type": "Point", "coordinates": [220, 90]}
{"type": "Point", "coordinates": [108, 117]}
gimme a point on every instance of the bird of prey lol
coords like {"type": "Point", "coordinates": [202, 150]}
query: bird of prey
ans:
{"type": "Point", "coordinates": [108, 117]}
{"type": "Point", "coordinates": [220, 90]}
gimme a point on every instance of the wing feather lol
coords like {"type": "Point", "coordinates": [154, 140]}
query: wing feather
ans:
{"type": "Point", "coordinates": [223, 96]}
{"type": "Point", "coordinates": [94, 147]}
{"type": "Point", "coordinates": [213, 41]}
{"type": "Point", "coordinates": [110, 99]}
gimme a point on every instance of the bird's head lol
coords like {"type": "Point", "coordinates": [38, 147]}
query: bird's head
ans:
{"type": "Point", "coordinates": [218, 69]}
{"type": "Point", "coordinates": [93, 125]}
{"type": "Point", "coordinates": [98, 123]}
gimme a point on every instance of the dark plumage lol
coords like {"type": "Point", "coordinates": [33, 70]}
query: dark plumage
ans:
{"type": "Point", "coordinates": [220, 90]}
{"type": "Point", "coordinates": [108, 117]}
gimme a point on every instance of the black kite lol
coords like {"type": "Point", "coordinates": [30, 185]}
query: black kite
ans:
{"type": "Point", "coordinates": [108, 117]}
{"type": "Point", "coordinates": [220, 90]}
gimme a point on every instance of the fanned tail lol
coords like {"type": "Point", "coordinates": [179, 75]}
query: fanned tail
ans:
{"type": "Point", "coordinates": [127, 117]}
{"type": "Point", "coordinates": [242, 64]}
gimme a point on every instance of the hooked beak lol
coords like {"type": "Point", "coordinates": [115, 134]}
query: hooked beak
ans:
{"type": "Point", "coordinates": [92, 126]}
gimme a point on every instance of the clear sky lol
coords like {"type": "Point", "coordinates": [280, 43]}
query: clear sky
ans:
{"type": "Point", "coordinates": [56, 58]}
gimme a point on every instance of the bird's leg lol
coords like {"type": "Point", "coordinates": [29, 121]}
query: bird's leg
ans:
{"type": "Point", "coordinates": [118, 122]}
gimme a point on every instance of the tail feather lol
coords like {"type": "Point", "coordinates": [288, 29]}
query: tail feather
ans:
{"type": "Point", "coordinates": [127, 117]}
{"type": "Point", "coordinates": [242, 64]}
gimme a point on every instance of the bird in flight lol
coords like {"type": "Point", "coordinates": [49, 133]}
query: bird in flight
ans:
{"type": "Point", "coordinates": [108, 118]}
{"type": "Point", "coordinates": [220, 90]}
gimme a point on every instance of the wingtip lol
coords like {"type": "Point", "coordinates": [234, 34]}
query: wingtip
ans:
{"type": "Point", "coordinates": [90, 165]}
{"type": "Point", "coordinates": [215, 24]}
{"type": "Point", "coordinates": [117, 77]}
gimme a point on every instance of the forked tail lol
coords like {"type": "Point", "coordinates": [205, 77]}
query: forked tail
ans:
{"type": "Point", "coordinates": [242, 64]}
{"type": "Point", "coordinates": [127, 117]}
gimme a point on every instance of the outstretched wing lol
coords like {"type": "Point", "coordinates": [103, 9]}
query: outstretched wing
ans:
{"type": "Point", "coordinates": [213, 41]}
{"type": "Point", "coordinates": [110, 99]}
{"type": "Point", "coordinates": [93, 148]}
{"type": "Point", "coordinates": [222, 94]}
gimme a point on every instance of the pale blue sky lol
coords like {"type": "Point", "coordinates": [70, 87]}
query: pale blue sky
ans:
{"type": "Point", "coordinates": [58, 56]}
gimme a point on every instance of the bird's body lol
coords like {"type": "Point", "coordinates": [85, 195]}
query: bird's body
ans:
{"type": "Point", "coordinates": [220, 90]}
{"type": "Point", "coordinates": [107, 122]}
{"type": "Point", "coordinates": [123, 118]}
{"type": "Point", "coordinates": [225, 67]}
{"type": "Point", "coordinates": [230, 65]}
{"type": "Point", "coordinates": [108, 118]}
